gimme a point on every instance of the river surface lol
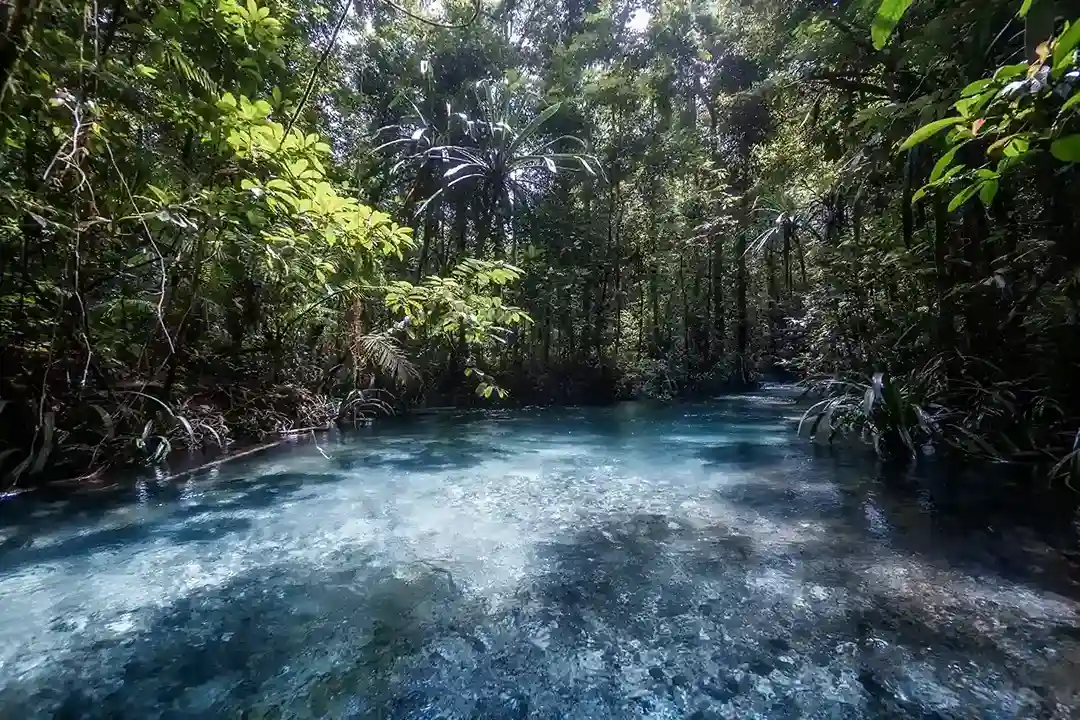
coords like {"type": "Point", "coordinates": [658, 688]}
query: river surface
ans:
{"type": "Point", "coordinates": [695, 561]}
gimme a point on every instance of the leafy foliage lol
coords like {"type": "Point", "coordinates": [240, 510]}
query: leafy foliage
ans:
{"type": "Point", "coordinates": [881, 412]}
{"type": "Point", "coordinates": [180, 263]}
{"type": "Point", "coordinates": [888, 17]}
{"type": "Point", "coordinates": [263, 216]}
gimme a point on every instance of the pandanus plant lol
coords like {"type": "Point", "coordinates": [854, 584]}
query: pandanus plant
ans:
{"type": "Point", "coordinates": [788, 223]}
{"type": "Point", "coordinates": [889, 414]}
{"type": "Point", "coordinates": [488, 163]}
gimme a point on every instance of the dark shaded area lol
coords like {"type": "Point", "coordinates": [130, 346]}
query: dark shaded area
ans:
{"type": "Point", "coordinates": [427, 456]}
{"type": "Point", "coordinates": [743, 455]}
{"type": "Point", "coordinates": [948, 520]}
{"type": "Point", "coordinates": [202, 519]}
{"type": "Point", "coordinates": [241, 635]}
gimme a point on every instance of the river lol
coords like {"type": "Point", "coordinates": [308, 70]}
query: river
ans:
{"type": "Point", "coordinates": [693, 561]}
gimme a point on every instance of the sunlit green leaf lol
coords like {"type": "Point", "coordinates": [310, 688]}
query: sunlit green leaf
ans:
{"type": "Point", "coordinates": [888, 17]}
{"type": "Point", "coordinates": [1065, 44]}
{"type": "Point", "coordinates": [976, 87]}
{"type": "Point", "coordinates": [928, 131]}
{"type": "Point", "coordinates": [227, 102]}
{"type": "Point", "coordinates": [944, 163]}
{"type": "Point", "coordinates": [964, 195]}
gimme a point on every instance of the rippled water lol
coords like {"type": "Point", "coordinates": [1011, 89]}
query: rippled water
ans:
{"type": "Point", "coordinates": [688, 562]}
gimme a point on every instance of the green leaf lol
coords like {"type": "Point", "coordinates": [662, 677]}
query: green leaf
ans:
{"type": "Point", "coordinates": [1066, 43]}
{"type": "Point", "coordinates": [532, 127]}
{"type": "Point", "coordinates": [1017, 146]}
{"type": "Point", "coordinates": [227, 102]}
{"type": "Point", "coordinates": [106, 421]}
{"type": "Point", "coordinates": [928, 131]}
{"type": "Point", "coordinates": [972, 106]}
{"type": "Point", "coordinates": [1025, 8]}
{"type": "Point", "coordinates": [1070, 103]}
{"type": "Point", "coordinates": [976, 87]}
{"type": "Point", "coordinates": [964, 195]}
{"type": "Point", "coordinates": [161, 195]}
{"type": "Point", "coordinates": [988, 192]}
{"type": "Point", "coordinates": [888, 17]}
{"type": "Point", "coordinates": [1066, 149]}
{"type": "Point", "coordinates": [943, 164]}
{"type": "Point", "coordinates": [296, 169]}
{"type": "Point", "coordinates": [1008, 72]}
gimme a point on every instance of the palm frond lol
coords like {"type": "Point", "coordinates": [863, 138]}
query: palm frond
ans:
{"type": "Point", "coordinates": [533, 126]}
{"type": "Point", "coordinates": [382, 352]}
{"type": "Point", "coordinates": [192, 72]}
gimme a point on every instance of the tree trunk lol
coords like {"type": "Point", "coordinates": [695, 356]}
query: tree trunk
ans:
{"type": "Point", "coordinates": [772, 304]}
{"type": "Point", "coordinates": [640, 321]}
{"type": "Point", "coordinates": [687, 345]}
{"type": "Point", "coordinates": [654, 299]}
{"type": "Point", "coordinates": [742, 331]}
{"type": "Point", "coordinates": [431, 230]}
{"type": "Point", "coordinates": [15, 19]}
{"type": "Point", "coordinates": [719, 326]}
{"type": "Point", "coordinates": [945, 324]}
{"type": "Point", "coordinates": [461, 229]}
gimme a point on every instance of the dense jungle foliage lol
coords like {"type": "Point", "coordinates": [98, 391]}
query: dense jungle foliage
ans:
{"type": "Point", "coordinates": [225, 219]}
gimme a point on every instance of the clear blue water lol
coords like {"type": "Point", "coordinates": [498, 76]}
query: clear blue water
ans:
{"type": "Point", "coordinates": [631, 562]}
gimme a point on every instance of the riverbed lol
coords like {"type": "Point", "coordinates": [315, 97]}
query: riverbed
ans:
{"type": "Point", "coordinates": [692, 561]}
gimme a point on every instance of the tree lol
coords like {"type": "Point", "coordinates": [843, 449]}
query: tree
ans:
{"type": "Point", "coordinates": [207, 211]}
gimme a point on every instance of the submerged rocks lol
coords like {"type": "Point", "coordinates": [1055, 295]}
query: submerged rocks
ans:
{"type": "Point", "coordinates": [760, 667]}
{"type": "Point", "coordinates": [779, 644]}
{"type": "Point", "coordinates": [720, 689]}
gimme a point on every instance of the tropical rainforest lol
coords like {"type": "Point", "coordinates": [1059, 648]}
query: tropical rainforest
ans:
{"type": "Point", "coordinates": [222, 220]}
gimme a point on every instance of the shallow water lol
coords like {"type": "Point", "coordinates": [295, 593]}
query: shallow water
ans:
{"type": "Point", "coordinates": [632, 562]}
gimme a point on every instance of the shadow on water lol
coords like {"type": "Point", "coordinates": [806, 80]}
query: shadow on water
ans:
{"type": "Point", "coordinates": [451, 453]}
{"type": "Point", "coordinates": [723, 634]}
{"type": "Point", "coordinates": [743, 455]}
{"type": "Point", "coordinates": [640, 616]}
{"type": "Point", "coordinates": [339, 635]}
{"type": "Point", "coordinates": [123, 536]}
{"type": "Point", "coordinates": [958, 518]}
{"type": "Point", "coordinates": [165, 511]}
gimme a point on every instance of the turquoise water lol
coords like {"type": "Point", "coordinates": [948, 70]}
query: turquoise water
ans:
{"type": "Point", "coordinates": [631, 562]}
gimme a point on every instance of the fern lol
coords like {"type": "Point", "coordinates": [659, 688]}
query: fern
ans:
{"type": "Point", "coordinates": [194, 74]}
{"type": "Point", "coordinates": [383, 353]}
